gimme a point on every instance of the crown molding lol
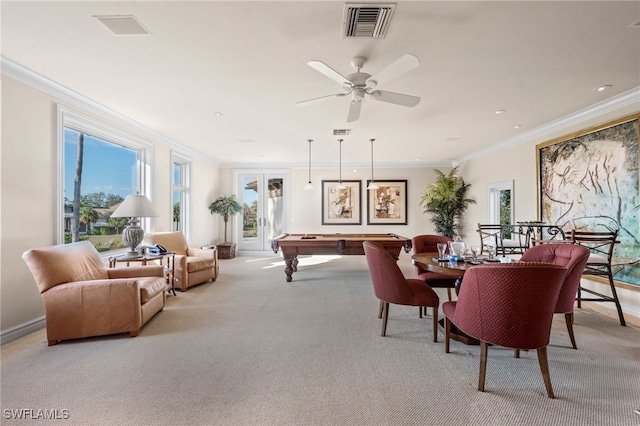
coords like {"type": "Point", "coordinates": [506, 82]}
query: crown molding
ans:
{"type": "Point", "coordinates": [547, 131]}
{"type": "Point", "coordinates": [65, 95]}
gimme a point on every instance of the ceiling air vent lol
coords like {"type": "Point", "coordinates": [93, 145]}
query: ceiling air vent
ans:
{"type": "Point", "coordinates": [341, 132]}
{"type": "Point", "coordinates": [367, 20]}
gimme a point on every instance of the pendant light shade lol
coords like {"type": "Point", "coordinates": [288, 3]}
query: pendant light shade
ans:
{"type": "Point", "coordinates": [340, 185]}
{"type": "Point", "coordinates": [309, 185]}
{"type": "Point", "coordinates": [372, 184]}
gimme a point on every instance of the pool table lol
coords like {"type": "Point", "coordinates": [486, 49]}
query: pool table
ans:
{"type": "Point", "coordinates": [293, 245]}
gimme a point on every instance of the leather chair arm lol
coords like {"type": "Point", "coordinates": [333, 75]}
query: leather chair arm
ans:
{"type": "Point", "coordinates": [136, 271]}
{"type": "Point", "coordinates": [197, 252]}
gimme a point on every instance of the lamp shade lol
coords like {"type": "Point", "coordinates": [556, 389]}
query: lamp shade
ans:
{"type": "Point", "coordinates": [136, 206]}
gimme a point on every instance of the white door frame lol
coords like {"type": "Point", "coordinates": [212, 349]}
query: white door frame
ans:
{"type": "Point", "coordinates": [286, 195]}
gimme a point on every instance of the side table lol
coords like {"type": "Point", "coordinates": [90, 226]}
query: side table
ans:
{"type": "Point", "coordinates": [166, 259]}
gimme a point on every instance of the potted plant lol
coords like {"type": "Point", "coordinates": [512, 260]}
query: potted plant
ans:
{"type": "Point", "coordinates": [445, 200]}
{"type": "Point", "coordinates": [226, 206]}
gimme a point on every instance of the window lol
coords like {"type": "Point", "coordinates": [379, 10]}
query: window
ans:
{"type": "Point", "coordinates": [181, 168]}
{"type": "Point", "coordinates": [100, 166]}
{"type": "Point", "coordinates": [501, 204]}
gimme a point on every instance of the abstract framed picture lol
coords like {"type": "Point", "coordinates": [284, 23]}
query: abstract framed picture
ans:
{"type": "Point", "coordinates": [341, 206]}
{"type": "Point", "coordinates": [590, 181]}
{"type": "Point", "coordinates": [387, 205]}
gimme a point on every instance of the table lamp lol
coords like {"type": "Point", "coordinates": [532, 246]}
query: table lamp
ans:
{"type": "Point", "coordinates": [135, 207]}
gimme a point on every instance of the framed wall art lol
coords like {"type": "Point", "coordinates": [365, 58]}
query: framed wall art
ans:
{"type": "Point", "coordinates": [590, 181]}
{"type": "Point", "coordinates": [387, 205]}
{"type": "Point", "coordinates": [341, 206]}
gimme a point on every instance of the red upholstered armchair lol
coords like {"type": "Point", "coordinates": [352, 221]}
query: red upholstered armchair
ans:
{"type": "Point", "coordinates": [508, 305]}
{"type": "Point", "coordinates": [574, 258]}
{"type": "Point", "coordinates": [428, 244]}
{"type": "Point", "coordinates": [391, 286]}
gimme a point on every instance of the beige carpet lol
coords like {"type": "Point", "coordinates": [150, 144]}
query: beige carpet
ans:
{"type": "Point", "coordinates": [251, 349]}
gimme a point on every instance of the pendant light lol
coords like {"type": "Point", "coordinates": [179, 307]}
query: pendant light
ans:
{"type": "Point", "coordinates": [340, 185]}
{"type": "Point", "coordinates": [309, 186]}
{"type": "Point", "coordinates": [372, 184]}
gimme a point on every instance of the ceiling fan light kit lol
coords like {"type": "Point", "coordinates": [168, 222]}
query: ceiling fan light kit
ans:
{"type": "Point", "coordinates": [360, 84]}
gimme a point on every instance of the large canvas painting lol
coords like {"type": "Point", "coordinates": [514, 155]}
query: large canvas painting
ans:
{"type": "Point", "coordinates": [590, 181]}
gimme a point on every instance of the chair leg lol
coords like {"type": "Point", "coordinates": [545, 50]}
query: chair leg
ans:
{"type": "Point", "coordinates": [568, 318]}
{"type": "Point", "coordinates": [449, 293]}
{"type": "Point", "coordinates": [483, 365]}
{"type": "Point", "coordinates": [516, 353]}
{"type": "Point", "coordinates": [435, 323]}
{"type": "Point", "coordinates": [420, 311]}
{"type": "Point", "coordinates": [381, 308]}
{"type": "Point", "coordinates": [544, 368]}
{"type": "Point", "coordinates": [614, 294]}
{"type": "Point", "coordinates": [384, 319]}
{"type": "Point", "coordinates": [447, 334]}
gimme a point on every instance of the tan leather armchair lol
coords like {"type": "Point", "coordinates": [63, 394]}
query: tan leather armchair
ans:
{"type": "Point", "coordinates": [83, 298]}
{"type": "Point", "coordinates": [192, 265]}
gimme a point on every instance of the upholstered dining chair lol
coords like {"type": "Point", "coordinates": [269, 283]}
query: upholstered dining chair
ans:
{"type": "Point", "coordinates": [508, 305]}
{"type": "Point", "coordinates": [192, 265]}
{"type": "Point", "coordinates": [429, 244]}
{"type": "Point", "coordinates": [391, 286]}
{"type": "Point", "coordinates": [574, 258]}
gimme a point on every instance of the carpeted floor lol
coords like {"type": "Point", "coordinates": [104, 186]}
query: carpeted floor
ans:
{"type": "Point", "coordinates": [251, 349]}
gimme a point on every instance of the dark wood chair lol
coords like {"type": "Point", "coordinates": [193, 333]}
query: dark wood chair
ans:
{"type": "Point", "coordinates": [601, 245]}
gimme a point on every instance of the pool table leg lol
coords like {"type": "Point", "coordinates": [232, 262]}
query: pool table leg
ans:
{"type": "Point", "coordinates": [291, 267]}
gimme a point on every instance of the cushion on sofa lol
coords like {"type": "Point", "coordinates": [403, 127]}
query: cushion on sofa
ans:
{"type": "Point", "coordinates": [151, 287]}
{"type": "Point", "coordinates": [195, 264]}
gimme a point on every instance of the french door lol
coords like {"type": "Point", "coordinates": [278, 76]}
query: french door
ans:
{"type": "Point", "coordinates": [264, 199]}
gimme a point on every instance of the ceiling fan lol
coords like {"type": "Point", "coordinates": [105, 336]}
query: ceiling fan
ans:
{"type": "Point", "coordinates": [360, 84]}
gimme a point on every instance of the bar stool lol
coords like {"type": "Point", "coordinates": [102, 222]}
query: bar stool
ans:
{"type": "Point", "coordinates": [601, 245]}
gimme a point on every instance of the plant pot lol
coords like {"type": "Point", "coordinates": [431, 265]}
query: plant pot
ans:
{"type": "Point", "coordinates": [226, 250]}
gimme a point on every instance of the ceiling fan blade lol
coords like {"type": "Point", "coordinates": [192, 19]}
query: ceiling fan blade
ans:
{"type": "Point", "coordinates": [403, 64]}
{"type": "Point", "coordinates": [395, 98]}
{"type": "Point", "coordinates": [354, 111]}
{"type": "Point", "coordinates": [320, 99]}
{"type": "Point", "coordinates": [325, 69]}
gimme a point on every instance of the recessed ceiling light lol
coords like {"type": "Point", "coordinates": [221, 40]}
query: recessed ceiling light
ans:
{"type": "Point", "coordinates": [217, 114]}
{"type": "Point", "coordinates": [500, 111]}
{"type": "Point", "coordinates": [517, 126]}
{"type": "Point", "coordinates": [603, 88]}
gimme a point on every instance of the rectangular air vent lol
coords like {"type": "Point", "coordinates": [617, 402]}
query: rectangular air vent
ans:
{"type": "Point", "coordinates": [366, 20]}
{"type": "Point", "coordinates": [123, 24]}
{"type": "Point", "coordinates": [341, 132]}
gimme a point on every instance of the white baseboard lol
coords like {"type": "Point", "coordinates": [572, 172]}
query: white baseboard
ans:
{"type": "Point", "coordinates": [22, 330]}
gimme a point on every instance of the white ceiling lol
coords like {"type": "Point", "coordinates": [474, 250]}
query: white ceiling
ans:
{"type": "Point", "coordinates": [538, 61]}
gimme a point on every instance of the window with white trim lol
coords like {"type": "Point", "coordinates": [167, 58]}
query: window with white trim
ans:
{"type": "Point", "coordinates": [99, 165]}
{"type": "Point", "coordinates": [180, 195]}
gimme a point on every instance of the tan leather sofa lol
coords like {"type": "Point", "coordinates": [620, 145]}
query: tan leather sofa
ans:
{"type": "Point", "coordinates": [83, 298]}
{"type": "Point", "coordinates": [192, 265]}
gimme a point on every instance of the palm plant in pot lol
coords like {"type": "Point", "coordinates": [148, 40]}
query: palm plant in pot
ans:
{"type": "Point", "coordinates": [445, 200]}
{"type": "Point", "coordinates": [226, 206]}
